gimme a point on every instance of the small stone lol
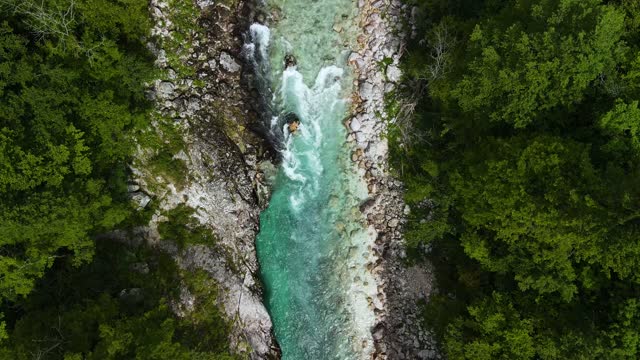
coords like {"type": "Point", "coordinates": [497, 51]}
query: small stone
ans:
{"type": "Point", "coordinates": [193, 105]}
{"type": "Point", "coordinates": [141, 199]}
{"type": "Point", "coordinates": [378, 334]}
{"type": "Point", "coordinates": [293, 127]}
{"type": "Point", "coordinates": [204, 3]}
{"type": "Point", "coordinates": [133, 188]}
{"type": "Point", "coordinates": [426, 354]}
{"type": "Point", "coordinates": [393, 223]}
{"type": "Point", "coordinates": [165, 89]}
{"type": "Point", "coordinates": [389, 87]}
{"type": "Point", "coordinates": [162, 58]}
{"type": "Point", "coordinates": [366, 90]}
{"type": "Point", "coordinates": [229, 63]}
{"type": "Point", "coordinates": [353, 57]}
{"type": "Point", "coordinates": [355, 125]}
{"type": "Point", "coordinates": [393, 73]}
{"type": "Point", "coordinates": [290, 61]}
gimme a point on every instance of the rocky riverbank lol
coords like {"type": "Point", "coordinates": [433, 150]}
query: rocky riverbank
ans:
{"type": "Point", "coordinates": [398, 333]}
{"type": "Point", "coordinates": [199, 154]}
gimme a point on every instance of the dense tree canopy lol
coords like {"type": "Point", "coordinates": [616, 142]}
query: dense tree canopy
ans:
{"type": "Point", "coordinates": [71, 88]}
{"type": "Point", "coordinates": [525, 179]}
{"type": "Point", "coordinates": [117, 307]}
{"type": "Point", "coordinates": [533, 58]}
{"type": "Point", "coordinates": [72, 83]}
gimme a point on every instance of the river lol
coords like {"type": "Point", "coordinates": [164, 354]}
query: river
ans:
{"type": "Point", "coordinates": [313, 244]}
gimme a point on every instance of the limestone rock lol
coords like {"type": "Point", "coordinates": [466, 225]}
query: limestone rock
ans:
{"type": "Point", "coordinates": [290, 61]}
{"type": "Point", "coordinates": [366, 90]}
{"type": "Point", "coordinates": [140, 199]}
{"type": "Point", "coordinates": [393, 73]}
{"type": "Point", "coordinates": [204, 3]}
{"type": "Point", "coordinates": [293, 126]}
{"type": "Point", "coordinates": [229, 63]}
{"type": "Point", "coordinates": [218, 184]}
{"type": "Point", "coordinates": [165, 90]}
{"type": "Point", "coordinates": [355, 124]}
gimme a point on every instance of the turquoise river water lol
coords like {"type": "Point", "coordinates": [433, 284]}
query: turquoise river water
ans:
{"type": "Point", "coordinates": [312, 245]}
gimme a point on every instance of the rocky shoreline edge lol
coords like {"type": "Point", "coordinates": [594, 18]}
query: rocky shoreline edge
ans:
{"type": "Point", "coordinates": [398, 333]}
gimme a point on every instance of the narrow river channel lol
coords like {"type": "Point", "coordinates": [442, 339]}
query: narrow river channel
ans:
{"type": "Point", "coordinates": [312, 246]}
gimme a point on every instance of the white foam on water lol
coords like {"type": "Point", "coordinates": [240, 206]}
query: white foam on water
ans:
{"type": "Point", "coordinates": [315, 164]}
{"type": "Point", "coordinates": [249, 50]}
{"type": "Point", "coordinates": [291, 162]}
{"type": "Point", "coordinates": [260, 36]}
{"type": "Point", "coordinates": [296, 200]}
{"type": "Point", "coordinates": [294, 93]}
{"type": "Point", "coordinates": [311, 103]}
{"type": "Point", "coordinates": [329, 77]}
{"type": "Point", "coordinates": [274, 122]}
{"type": "Point", "coordinates": [290, 169]}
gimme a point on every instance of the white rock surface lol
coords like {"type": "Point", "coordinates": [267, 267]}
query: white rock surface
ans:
{"type": "Point", "coordinates": [355, 125]}
{"type": "Point", "coordinates": [229, 63]}
{"type": "Point", "coordinates": [165, 90]}
{"type": "Point", "coordinates": [393, 73]}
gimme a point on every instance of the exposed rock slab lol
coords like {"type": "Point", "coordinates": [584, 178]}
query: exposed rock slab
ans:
{"type": "Point", "coordinates": [209, 105]}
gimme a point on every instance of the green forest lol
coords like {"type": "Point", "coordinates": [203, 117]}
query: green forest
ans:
{"type": "Point", "coordinates": [73, 75]}
{"type": "Point", "coordinates": [517, 138]}
{"type": "Point", "coordinates": [519, 143]}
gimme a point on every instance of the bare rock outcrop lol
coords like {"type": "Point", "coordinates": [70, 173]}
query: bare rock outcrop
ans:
{"type": "Point", "coordinates": [205, 158]}
{"type": "Point", "coordinates": [398, 333]}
